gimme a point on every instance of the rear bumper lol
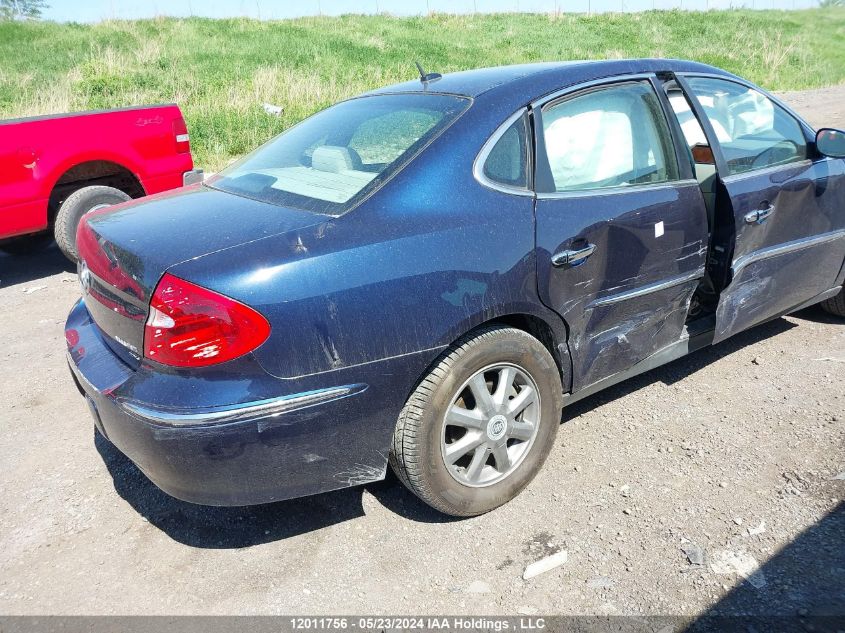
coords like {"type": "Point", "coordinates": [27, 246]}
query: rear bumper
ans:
{"type": "Point", "coordinates": [305, 440]}
{"type": "Point", "coordinates": [192, 177]}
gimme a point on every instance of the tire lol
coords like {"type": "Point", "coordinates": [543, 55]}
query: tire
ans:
{"type": "Point", "coordinates": [75, 206]}
{"type": "Point", "coordinates": [26, 244]}
{"type": "Point", "coordinates": [423, 437]}
{"type": "Point", "coordinates": [835, 305]}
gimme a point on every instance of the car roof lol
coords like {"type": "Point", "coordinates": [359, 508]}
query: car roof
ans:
{"type": "Point", "coordinates": [524, 82]}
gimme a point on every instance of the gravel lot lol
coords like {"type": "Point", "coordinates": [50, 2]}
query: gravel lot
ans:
{"type": "Point", "coordinates": [728, 458]}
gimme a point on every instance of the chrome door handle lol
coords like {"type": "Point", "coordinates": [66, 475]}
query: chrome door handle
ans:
{"type": "Point", "coordinates": [758, 216]}
{"type": "Point", "coordinates": [573, 257]}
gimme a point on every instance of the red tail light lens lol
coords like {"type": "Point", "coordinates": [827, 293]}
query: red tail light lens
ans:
{"type": "Point", "coordinates": [180, 134]}
{"type": "Point", "coordinates": [191, 326]}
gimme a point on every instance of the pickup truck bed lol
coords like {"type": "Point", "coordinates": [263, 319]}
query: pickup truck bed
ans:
{"type": "Point", "coordinates": [124, 153]}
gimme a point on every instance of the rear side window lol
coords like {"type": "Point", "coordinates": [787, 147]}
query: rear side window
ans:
{"type": "Point", "coordinates": [332, 160]}
{"type": "Point", "coordinates": [753, 131]}
{"type": "Point", "coordinates": [507, 162]}
{"type": "Point", "coordinates": [609, 137]}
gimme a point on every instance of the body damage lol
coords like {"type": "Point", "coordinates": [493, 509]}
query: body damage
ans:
{"type": "Point", "coordinates": [771, 259]}
{"type": "Point", "coordinates": [371, 298]}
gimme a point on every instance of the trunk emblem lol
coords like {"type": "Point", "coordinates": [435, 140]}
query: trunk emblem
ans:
{"type": "Point", "coordinates": [84, 276]}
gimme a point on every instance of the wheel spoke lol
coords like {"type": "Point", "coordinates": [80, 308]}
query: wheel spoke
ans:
{"type": "Point", "coordinates": [524, 398]}
{"type": "Point", "coordinates": [521, 430]}
{"type": "Point", "coordinates": [503, 459]}
{"type": "Point", "coordinates": [475, 467]}
{"type": "Point", "coordinates": [458, 449]}
{"type": "Point", "coordinates": [465, 418]}
{"type": "Point", "coordinates": [506, 376]}
{"type": "Point", "coordinates": [483, 399]}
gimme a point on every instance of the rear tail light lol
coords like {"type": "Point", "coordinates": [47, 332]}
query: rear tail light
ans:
{"type": "Point", "coordinates": [180, 134]}
{"type": "Point", "coordinates": [191, 326]}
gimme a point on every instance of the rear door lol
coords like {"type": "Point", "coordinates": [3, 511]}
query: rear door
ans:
{"type": "Point", "coordinates": [621, 224]}
{"type": "Point", "coordinates": [782, 212]}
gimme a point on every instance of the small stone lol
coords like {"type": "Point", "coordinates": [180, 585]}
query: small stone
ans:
{"type": "Point", "coordinates": [626, 511]}
{"type": "Point", "coordinates": [757, 360]}
{"type": "Point", "coordinates": [723, 484]}
{"type": "Point", "coordinates": [478, 586]}
{"type": "Point", "coordinates": [545, 564]}
{"type": "Point", "coordinates": [602, 582]}
{"type": "Point", "coordinates": [694, 554]}
{"type": "Point", "coordinates": [738, 521]}
{"type": "Point", "coordinates": [757, 530]}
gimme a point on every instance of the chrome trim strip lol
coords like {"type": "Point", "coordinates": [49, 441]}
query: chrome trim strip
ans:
{"type": "Point", "coordinates": [647, 289]}
{"type": "Point", "coordinates": [797, 165]}
{"type": "Point", "coordinates": [610, 191]}
{"type": "Point", "coordinates": [613, 79]}
{"type": "Point", "coordinates": [782, 249]}
{"type": "Point", "coordinates": [239, 413]}
{"type": "Point", "coordinates": [489, 144]}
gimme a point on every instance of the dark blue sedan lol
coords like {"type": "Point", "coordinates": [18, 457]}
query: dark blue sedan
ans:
{"type": "Point", "coordinates": [423, 276]}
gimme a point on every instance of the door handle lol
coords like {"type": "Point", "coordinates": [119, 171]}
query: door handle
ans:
{"type": "Point", "coordinates": [758, 216]}
{"type": "Point", "coordinates": [573, 257]}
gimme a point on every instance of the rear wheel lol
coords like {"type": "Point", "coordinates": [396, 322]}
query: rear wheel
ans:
{"type": "Point", "coordinates": [481, 423]}
{"type": "Point", "coordinates": [25, 244]}
{"type": "Point", "coordinates": [835, 305]}
{"type": "Point", "coordinates": [75, 206]}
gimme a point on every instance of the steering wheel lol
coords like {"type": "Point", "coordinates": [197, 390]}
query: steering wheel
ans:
{"type": "Point", "coordinates": [779, 153]}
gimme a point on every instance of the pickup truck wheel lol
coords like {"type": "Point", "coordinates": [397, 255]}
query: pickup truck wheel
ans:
{"type": "Point", "coordinates": [75, 206]}
{"type": "Point", "coordinates": [25, 244]}
{"type": "Point", "coordinates": [480, 424]}
{"type": "Point", "coordinates": [835, 305]}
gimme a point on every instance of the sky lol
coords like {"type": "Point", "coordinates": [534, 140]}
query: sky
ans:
{"type": "Point", "coordinates": [96, 10]}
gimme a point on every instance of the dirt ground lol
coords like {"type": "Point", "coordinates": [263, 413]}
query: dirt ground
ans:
{"type": "Point", "coordinates": [666, 492]}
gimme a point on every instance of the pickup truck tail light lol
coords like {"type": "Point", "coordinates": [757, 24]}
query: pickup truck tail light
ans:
{"type": "Point", "coordinates": [180, 135]}
{"type": "Point", "coordinates": [191, 326]}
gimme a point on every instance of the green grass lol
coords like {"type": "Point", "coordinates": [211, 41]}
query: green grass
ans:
{"type": "Point", "coordinates": [220, 71]}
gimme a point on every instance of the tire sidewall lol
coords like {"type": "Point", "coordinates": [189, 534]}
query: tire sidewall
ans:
{"type": "Point", "coordinates": [528, 354]}
{"type": "Point", "coordinates": [75, 207]}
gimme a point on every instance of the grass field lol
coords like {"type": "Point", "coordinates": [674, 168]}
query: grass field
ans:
{"type": "Point", "coordinates": [221, 71]}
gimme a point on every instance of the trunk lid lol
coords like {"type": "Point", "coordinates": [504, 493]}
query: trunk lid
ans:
{"type": "Point", "coordinates": [124, 250]}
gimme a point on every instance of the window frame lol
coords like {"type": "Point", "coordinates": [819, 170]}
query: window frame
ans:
{"type": "Point", "coordinates": [718, 155]}
{"type": "Point", "coordinates": [481, 159]}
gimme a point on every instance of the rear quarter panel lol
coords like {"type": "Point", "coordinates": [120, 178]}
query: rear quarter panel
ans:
{"type": "Point", "coordinates": [427, 258]}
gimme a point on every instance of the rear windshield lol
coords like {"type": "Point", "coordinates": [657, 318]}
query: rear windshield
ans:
{"type": "Point", "coordinates": [333, 159]}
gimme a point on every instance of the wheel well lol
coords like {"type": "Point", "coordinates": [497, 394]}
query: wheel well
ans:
{"type": "Point", "coordinates": [537, 328]}
{"type": "Point", "coordinates": [93, 172]}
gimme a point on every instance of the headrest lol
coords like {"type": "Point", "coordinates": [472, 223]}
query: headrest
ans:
{"type": "Point", "coordinates": [332, 158]}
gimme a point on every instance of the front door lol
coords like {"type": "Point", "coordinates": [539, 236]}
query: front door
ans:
{"type": "Point", "coordinates": [621, 225]}
{"type": "Point", "coordinates": [782, 227]}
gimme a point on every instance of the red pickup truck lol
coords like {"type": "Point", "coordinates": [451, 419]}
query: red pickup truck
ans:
{"type": "Point", "coordinates": [54, 169]}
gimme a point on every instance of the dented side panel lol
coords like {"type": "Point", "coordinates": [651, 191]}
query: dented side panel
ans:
{"type": "Point", "coordinates": [643, 238]}
{"type": "Point", "coordinates": [793, 255]}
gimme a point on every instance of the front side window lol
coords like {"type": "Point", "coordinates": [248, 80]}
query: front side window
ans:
{"type": "Point", "coordinates": [609, 137]}
{"type": "Point", "coordinates": [752, 130]}
{"type": "Point", "coordinates": [333, 159]}
{"type": "Point", "coordinates": [507, 162]}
